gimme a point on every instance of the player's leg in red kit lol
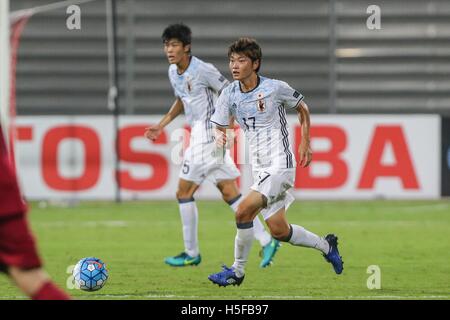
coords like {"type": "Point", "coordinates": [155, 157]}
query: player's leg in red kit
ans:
{"type": "Point", "coordinates": [18, 254]}
{"type": "Point", "coordinates": [19, 259]}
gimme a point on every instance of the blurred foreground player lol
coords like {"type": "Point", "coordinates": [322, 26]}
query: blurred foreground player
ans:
{"type": "Point", "coordinates": [18, 254]}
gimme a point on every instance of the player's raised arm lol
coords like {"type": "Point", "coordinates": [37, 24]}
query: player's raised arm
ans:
{"type": "Point", "coordinates": [304, 150]}
{"type": "Point", "coordinates": [153, 132]}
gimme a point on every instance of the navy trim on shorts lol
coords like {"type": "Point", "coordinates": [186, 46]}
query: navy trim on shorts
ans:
{"type": "Point", "coordinates": [220, 125]}
{"type": "Point", "coordinates": [268, 175]}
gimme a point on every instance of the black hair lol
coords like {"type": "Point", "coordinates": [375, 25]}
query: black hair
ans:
{"type": "Point", "coordinates": [177, 31]}
{"type": "Point", "coordinates": [249, 47]}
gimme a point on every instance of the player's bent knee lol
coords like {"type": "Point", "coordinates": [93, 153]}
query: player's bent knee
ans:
{"type": "Point", "coordinates": [240, 216]}
{"type": "Point", "coordinates": [231, 195]}
{"type": "Point", "coordinates": [227, 196]}
{"type": "Point", "coordinates": [283, 235]}
{"type": "Point", "coordinates": [228, 191]}
{"type": "Point", "coordinates": [243, 214]}
{"type": "Point", "coordinates": [184, 195]}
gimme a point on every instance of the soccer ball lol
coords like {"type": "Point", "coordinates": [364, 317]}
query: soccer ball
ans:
{"type": "Point", "coordinates": [90, 274]}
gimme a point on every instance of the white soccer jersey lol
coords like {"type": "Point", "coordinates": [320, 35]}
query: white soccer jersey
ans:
{"type": "Point", "coordinates": [261, 114]}
{"type": "Point", "coordinates": [198, 87]}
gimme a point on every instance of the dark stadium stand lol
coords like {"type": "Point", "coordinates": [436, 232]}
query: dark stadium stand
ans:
{"type": "Point", "coordinates": [402, 68]}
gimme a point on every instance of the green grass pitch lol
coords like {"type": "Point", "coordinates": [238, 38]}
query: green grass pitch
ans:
{"type": "Point", "coordinates": [408, 240]}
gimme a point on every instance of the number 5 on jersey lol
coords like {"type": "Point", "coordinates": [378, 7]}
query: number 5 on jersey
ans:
{"type": "Point", "coordinates": [186, 167]}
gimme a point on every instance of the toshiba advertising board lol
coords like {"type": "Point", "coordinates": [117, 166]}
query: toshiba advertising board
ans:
{"type": "Point", "coordinates": [354, 157]}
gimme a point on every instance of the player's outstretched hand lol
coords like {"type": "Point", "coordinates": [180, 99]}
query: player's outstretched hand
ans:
{"type": "Point", "coordinates": [305, 155]}
{"type": "Point", "coordinates": [230, 138]}
{"type": "Point", "coordinates": [153, 132]}
{"type": "Point", "coordinates": [220, 138]}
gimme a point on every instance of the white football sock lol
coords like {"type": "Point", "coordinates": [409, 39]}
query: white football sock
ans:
{"type": "Point", "coordinates": [242, 245]}
{"type": "Point", "coordinates": [302, 237]}
{"type": "Point", "coordinates": [260, 232]}
{"type": "Point", "coordinates": [189, 218]}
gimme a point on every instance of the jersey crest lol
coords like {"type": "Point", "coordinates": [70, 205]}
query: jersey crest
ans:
{"type": "Point", "coordinates": [189, 84]}
{"type": "Point", "coordinates": [261, 103]}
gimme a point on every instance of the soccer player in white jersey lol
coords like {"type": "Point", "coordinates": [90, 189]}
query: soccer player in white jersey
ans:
{"type": "Point", "coordinates": [259, 104]}
{"type": "Point", "coordinates": [196, 85]}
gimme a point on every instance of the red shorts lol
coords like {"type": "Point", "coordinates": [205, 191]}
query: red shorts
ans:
{"type": "Point", "coordinates": [17, 245]}
{"type": "Point", "coordinates": [11, 202]}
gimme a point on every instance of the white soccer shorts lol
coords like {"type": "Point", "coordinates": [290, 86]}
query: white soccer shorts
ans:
{"type": "Point", "coordinates": [207, 161]}
{"type": "Point", "coordinates": [274, 185]}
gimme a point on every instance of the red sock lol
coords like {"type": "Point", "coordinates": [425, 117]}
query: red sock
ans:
{"type": "Point", "coordinates": [49, 291]}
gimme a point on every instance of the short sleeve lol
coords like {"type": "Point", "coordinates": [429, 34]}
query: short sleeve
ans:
{"type": "Point", "coordinates": [289, 97]}
{"type": "Point", "coordinates": [172, 84]}
{"type": "Point", "coordinates": [213, 78]}
{"type": "Point", "coordinates": [175, 93]}
{"type": "Point", "coordinates": [221, 116]}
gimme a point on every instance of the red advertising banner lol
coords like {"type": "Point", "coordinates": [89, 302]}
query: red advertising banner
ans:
{"type": "Point", "coordinates": [354, 157]}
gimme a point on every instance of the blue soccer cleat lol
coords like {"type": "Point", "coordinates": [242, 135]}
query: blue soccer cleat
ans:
{"type": "Point", "coordinates": [183, 260]}
{"type": "Point", "coordinates": [333, 256]}
{"type": "Point", "coordinates": [226, 277]}
{"type": "Point", "coordinates": [268, 252]}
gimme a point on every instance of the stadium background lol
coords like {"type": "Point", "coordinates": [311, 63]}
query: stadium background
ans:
{"type": "Point", "coordinates": [354, 79]}
{"type": "Point", "coordinates": [323, 48]}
